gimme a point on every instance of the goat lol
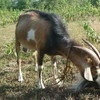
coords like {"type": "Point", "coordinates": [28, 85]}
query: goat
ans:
{"type": "Point", "coordinates": [45, 33]}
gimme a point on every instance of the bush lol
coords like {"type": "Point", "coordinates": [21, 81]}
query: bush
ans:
{"type": "Point", "coordinates": [70, 10]}
{"type": "Point", "coordinates": [22, 4]}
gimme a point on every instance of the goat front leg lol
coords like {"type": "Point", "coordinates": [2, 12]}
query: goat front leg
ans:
{"type": "Point", "coordinates": [20, 79]}
{"type": "Point", "coordinates": [40, 67]}
{"type": "Point", "coordinates": [55, 71]}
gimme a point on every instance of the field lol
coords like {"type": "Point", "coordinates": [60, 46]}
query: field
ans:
{"type": "Point", "coordinates": [11, 89]}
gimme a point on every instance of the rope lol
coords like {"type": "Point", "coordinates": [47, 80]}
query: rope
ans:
{"type": "Point", "coordinates": [65, 69]}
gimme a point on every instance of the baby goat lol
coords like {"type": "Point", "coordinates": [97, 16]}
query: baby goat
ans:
{"type": "Point", "coordinates": [47, 34]}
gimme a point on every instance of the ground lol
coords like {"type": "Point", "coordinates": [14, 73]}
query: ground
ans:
{"type": "Point", "coordinates": [11, 89]}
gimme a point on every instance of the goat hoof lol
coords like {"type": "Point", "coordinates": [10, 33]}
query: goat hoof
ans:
{"type": "Point", "coordinates": [20, 80]}
{"type": "Point", "coordinates": [59, 83]}
{"type": "Point", "coordinates": [41, 87]}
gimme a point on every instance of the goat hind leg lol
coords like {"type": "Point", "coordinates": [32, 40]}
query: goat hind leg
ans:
{"type": "Point", "coordinates": [20, 79]}
{"type": "Point", "coordinates": [40, 67]}
{"type": "Point", "coordinates": [35, 60]}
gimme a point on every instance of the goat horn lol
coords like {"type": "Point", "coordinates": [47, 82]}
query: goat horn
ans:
{"type": "Point", "coordinates": [93, 56]}
{"type": "Point", "coordinates": [93, 47]}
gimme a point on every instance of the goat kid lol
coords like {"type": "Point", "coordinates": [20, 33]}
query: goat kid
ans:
{"type": "Point", "coordinates": [46, 34]}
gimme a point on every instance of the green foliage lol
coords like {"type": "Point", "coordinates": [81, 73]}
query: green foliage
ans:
{"type": "Point", "coordinates": [94, 2]}
{"type": "Point", "coordinates": [70, 10]}
{"type": "Point", "coordinates": [5, 4]}
{"type": "Point", "coordinates": [10, 48]}
{"type": "Point", "coordinates": [8, 16]}
{"type": "Point", "coordinates": [91, 33]}
{"type": "Point", "coordinates": [14, 15]}
{"type": "Point", "coordinates": [22, 4]}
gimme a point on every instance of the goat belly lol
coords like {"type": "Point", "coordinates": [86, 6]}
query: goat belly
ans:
{"type": "Point", "coordinates": [51, 52]}
{"type": "Point", "coordinates": [29, 45]}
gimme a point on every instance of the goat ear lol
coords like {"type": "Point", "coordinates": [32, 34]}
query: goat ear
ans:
{"type": "Point", "coordinates": [87, 74]}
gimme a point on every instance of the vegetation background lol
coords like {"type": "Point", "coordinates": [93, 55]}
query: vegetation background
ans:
{"type": "Point", "coordinates": [82, 17]}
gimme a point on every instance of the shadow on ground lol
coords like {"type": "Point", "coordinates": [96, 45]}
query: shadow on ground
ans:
{"type": "Point", "coordinates": [50, 93]}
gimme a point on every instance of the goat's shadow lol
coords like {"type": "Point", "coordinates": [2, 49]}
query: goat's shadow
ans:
{"type": "Point", "coordinates": [49, 93]}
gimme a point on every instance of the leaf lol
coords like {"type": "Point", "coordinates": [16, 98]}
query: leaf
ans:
{"type": "Point", "coordinates": [8, 51]}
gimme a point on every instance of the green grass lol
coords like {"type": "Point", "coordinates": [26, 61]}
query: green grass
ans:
{"type": "Point", "coordinates": [11, 89]}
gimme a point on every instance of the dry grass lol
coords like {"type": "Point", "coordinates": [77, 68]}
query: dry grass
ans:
{"type": "Point", "coordinates": [6, 34]}
{"type": "Point", "coordinates": [11, 89]}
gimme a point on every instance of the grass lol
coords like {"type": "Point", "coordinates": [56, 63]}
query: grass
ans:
{"type": "Point", "coordinates": [11, 89]}
{"type": "Point", "coordinates": [7, 34]}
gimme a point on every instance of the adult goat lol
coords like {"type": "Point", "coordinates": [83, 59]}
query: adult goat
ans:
{"type": "Point", "coordinates": [47, 34]}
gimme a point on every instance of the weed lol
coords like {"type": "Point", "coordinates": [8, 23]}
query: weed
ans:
{"type": "Point", "coordinates": [91, 33]}
{"type": "Point", "coordinates": [10, 48]}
